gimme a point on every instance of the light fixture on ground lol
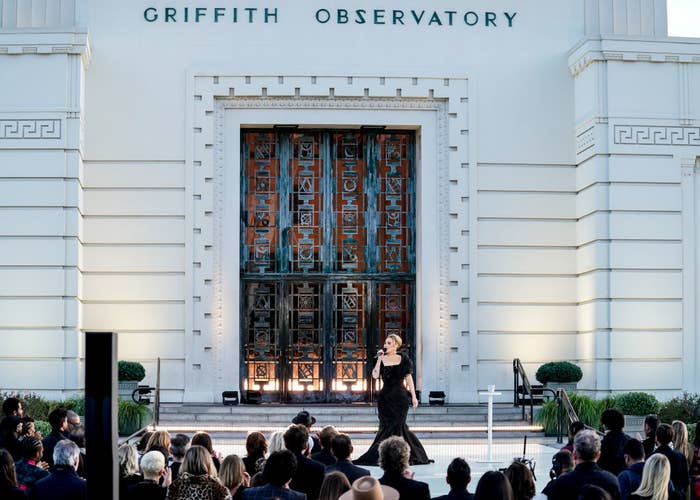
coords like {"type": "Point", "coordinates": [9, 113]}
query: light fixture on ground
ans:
{"type": "Point", "coordinates": [436, 398]}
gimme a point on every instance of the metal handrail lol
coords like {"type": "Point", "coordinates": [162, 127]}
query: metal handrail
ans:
{"type": "Point", "coordinates": [571, 415]}
{"type": "Point", "coordinates": [520, 375]}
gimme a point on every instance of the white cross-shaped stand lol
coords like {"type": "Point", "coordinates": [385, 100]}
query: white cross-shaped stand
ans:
{"type": "Point", "coordinates": [489, 424]}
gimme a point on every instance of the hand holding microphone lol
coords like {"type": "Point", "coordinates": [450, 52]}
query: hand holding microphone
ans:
{"type": "Point", "coordinates": [379, 354]}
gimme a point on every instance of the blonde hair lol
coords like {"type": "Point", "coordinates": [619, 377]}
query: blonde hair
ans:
{"type": "Point", "coordinates": [655, 478]}
{"type": "Point", "coordinates": [276, 442]}
{"type": "Point", "coordinates": [680, 440]}
{"type": "Point", "coordinates": [231, 471]}
{"type": "Point", "coordinates": [128, 460]}
{"type": "Point", "coordinates": [159, 438]}
{"type": "Point", "coordinates": [397, 340]}
{"type": "Point", "coordinates": [198, 462]}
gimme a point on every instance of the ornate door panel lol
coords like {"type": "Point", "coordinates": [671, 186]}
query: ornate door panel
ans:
{"type": "Point", "coordinates": [327, 259]}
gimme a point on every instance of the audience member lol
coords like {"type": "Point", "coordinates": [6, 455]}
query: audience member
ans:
{"type": "Point", "coordinates": [279, 469]}
{"type": "Point", "coordinates": [58, 419]}
{"type": "Point", "coordinates": [651, 422]}
{"type": "Point", "coordinates": [10, 430]}
{"type": "Point", "coordinates": [77, 435]}
{"type": "Point", "coordinates": [612, 457]}
{"type": "Point", "coordinates": [592, 492]}
{"type": "Point", "coordinates": [255, 447]}
{"type": "Point", "coordinates": [562, 462]}
{"type": "Point", "coordinates": [574, 428]}
{"type": "Point", "coordinates": [325, 456]}
{"type": "Point", "coordinates": [309, 473]}
{"type": "Point", "coordinates": [586, 453]}
{"type": "Point", "coordinates": [153, 469]}
{"type": "Point", "coordinates": [334, 484]}
{"type": "Point", "coordinates": [459, 475]}
{"type": "Point", "coordinates": [304, 418]}
{"type": "Point", "coordinates": [341, 446]}
{"type": "Point", "coordinates": [394, 454]}
{"type": "Point", "coordinates": [12, 407]}
{"type": "Point", "coordinates": [159, 438]}
{"type": "Point", "coordinates": [631, 477]}
{"type": "Point", "coordinates": [234, 476]}
{"type": "Point", "coordinates": [198, 478]}
{"type": "Point", "coordinates": [73, 421]}
{"type": "Point", "coordinates": [9, 489]}
{"type": "Point", "coordinates": [29, 429]}
{"type": "Point", "coordinates": [203, 439]}
{"type": "Point", "coordinates": [63, 483]}
{"type": "Point", "coordinates": [29, 468]}
{"type": "Point", "coordinates": [678, 462]}
{"type": "Point", "coordinates": [655, 479]}
{"type": "Point", "coordinates": [128, 469]}
{"type": "Point", "coordinates": [695, 465]}
{"type": "Point", "coordinates": [521, 481]}
{"type": "Point", "coordinates": [368, 488]}
{"type": "Point", "coordinates": [680, 440]}
{"type": "Point", "coordinates": [494, 485]}
{"type": "Point", "coordinates": [276, 442]}
{"type": "Point", "coordinates": [143, 443]}
{"type": "Point", "coordinates": [178, 448]}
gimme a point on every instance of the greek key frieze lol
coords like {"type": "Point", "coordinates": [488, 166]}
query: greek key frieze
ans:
{"type": "Point", "coordinates": [30, 129]}
{"type": "Point", "coordinates": [657, 135]}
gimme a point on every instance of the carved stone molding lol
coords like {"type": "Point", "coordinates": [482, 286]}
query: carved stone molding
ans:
{"type": "Point", "coordinates": [30, 129]}
{"type": "Point", "coordinates": [585, 140]}
{"type": "Point", "coordinates": [654, 135]}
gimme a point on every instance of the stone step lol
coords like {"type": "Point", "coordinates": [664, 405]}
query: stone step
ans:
{"type": "Point", "coordinates": [322, 420]}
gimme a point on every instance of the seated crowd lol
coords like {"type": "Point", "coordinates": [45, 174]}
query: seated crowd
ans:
{"type": "Point", "coordinates": [297, 464]}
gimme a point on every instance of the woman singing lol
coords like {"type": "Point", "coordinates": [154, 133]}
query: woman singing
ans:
{"type": "Point", "coordinates": [392, 402]}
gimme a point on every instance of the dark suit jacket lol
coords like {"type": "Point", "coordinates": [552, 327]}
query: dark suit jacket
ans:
{"type": "Point", "coordinates": [324, 456]}
{"type": "Point", "coordinates": [308, 477]}
{"type": "Point", "coordinates": [567, 486]}
{"type": "Point", "coordinates": [456, 495]}
{"type": "Point", "coordinates": [147, 490]}
{"type": "Point", "coordinates": [612, 458]}
{"type": "Point", "coordinates": [351, 471]}
{"type": "Point", "coordinates": [679, 468]}
{"type": "Point", "coordinates": [62, 484]}
{"type": "Point", "coordinates": [408, 489]}
{"type": "Point", "coordinates": [49, 443]}
{"type": "Point", "coordinates": [268, 491]}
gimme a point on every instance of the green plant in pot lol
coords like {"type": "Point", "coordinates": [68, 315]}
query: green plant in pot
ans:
{"type": "Point", "coordinates": [130, 373]}
{"type": "Point", "coordinates": [635, 406]}
{"type": "Point", "coordinates": [559, 374]}
{"type": "Point", "coordinates": [132, 417]}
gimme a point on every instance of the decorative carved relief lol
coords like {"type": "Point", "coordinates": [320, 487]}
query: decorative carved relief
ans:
{"type": "Point", "coordinates": [585, 140]}
{"type": "Point", "coordinates": [653, 135]}
{"type": "Point", "coordinates": [30, 129]}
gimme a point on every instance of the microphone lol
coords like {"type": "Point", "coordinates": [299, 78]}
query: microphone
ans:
{"type": "Point", "coordinates": [379, 353]}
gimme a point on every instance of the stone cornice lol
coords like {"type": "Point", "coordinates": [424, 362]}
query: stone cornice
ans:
{"type": "Point", "coordinates": [633, 49]}
{"type": "Point", "coordinates": [46, 41]}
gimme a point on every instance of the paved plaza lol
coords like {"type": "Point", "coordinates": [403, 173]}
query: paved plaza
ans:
{"type": "Point", "coordinates": [443, 451]}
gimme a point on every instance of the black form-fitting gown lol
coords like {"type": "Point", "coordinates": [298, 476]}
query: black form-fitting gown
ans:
{"type": "Point", "coordinates": [392, 406]}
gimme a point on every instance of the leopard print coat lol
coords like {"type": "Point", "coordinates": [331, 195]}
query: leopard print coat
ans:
{"type": "Point", "coordinates": [189, 487]}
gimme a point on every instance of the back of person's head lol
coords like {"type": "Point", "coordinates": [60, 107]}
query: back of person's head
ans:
{"type": "Point", "coordinates": [575, 427]}
{"type": "Point", "coordinates": [152, 464]}
{"type": "Point", "coordinates": [31, 448]}
{"type": "Point", "coordinates": [613, 419]}
{"type": "Point", "coordinates": [11, 406]}
{"type": "Point", "coordinates": [58, 418]}
{"type": "Point", "coordinates": [162, 450]}
{"type": "Point", "coordinates": [394, 454]}
{"type": "Point", "coordinates": [459, 474]}
{"type": "Point", "coordinates": [9, 425]}
{"type": "Point", "coordinates": [77, 435]}
{"type": "Point", "coordinates": [592, 492]}
{"type": "Point", "coordinates": [562, 462]}
{"type": "Point", "coordinates": [128, 460]}
{"type": "Point", "coordinates": [680, 436]}
{"type": "Point", "coordinates": [256, 444]}
{"type": "Point", "coordinates": [521, 480]}
{"type": "Point", "coordinates": [341, 446]}
{"type": "Point", "coordinates": [655, 478]}
{"type": "Point", "coordinates": [634, 449]}
{"type": "Point", "coordinates": [493, 485]}
{"type": "Point", "coordinates": [296, 438]}
{"type": "Point", "coordinates": [8, 476]}
{"type": "Point", "coordinates": [143, 442]}
{"type": "Point", "coordinates": [696, 439]}
{"type": "Point", "coordinates": [198, 462]}
{"type": "Point", "coordinates": [28, 427]}
{"type": "Point", "coordinates": [276, 442]}
{"type": "Point", "coordinates": [326, 436]}
{"type": "Point", "coordinates": [664, 434]}
{"type": "Point", "coordinates": [231, 471]}
{"type": "Point", "coordinates": [280, 466]}
{"type": "Point", "coordinates": [334, 484]}
{"type": "Point", "coordinates": [66, 453]}
{"type": "Point", "coordinates": [73, 418]}
{"type": "Point", "coordinates": [587, 446]}
{"type": "Point", "coordinates": [160, 438]}
{"type": "Point", "coordinates": [178, 445]}
{"type": "Point", "coordinates": [652, 422]}
{"type": "Point", "coordinates": [203, 439]}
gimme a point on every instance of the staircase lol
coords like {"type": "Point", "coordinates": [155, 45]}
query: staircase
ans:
{"type": "Point", "coordinates": [360, 420]}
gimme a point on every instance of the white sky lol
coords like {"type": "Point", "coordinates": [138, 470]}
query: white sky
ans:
{"type": "Point", "coordinates": [684, 18]}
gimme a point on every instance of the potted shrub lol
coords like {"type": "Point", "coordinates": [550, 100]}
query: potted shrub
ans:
{"type": "Point", "coordinates": [559, 374]}
{"type": "Point", "coordinates": [132, 417]}
{"type": "Point", "coordinates": [130, 373]}
{"type": "Point", "coordinates": [636, 406]}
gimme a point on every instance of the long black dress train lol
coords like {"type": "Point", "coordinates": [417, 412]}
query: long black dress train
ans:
{"type": "Point", "coordinates": [392, 406]}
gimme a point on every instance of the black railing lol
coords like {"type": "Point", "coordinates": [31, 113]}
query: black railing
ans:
{"type": "Point", "coordinates": [522, 388]}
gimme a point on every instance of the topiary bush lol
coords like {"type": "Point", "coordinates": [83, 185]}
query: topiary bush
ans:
{"type": "Point", "coordinates": [685, 408]}
{"type": "Point", "coordinates": [131, 370]}
{"type": "Point", "coordinates": [637, 403]}
{"type": "Point", "coordinates": [558, 371]}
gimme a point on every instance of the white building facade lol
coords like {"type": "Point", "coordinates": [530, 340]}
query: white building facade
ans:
{"type": "Point", "coordinates": [552, 150]}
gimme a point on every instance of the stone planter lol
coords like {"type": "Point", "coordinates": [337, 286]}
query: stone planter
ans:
{"type": "Point", "coordinates": [126, 389]}
{"type": "Point", "coordinates": [567, 386]}
{"type": "Point", "coordinates": [634, 424]}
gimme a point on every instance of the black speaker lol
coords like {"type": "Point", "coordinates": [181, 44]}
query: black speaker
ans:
{"type": "Point", "coordinates": [253, 397]}
{"type": "Point", "coordinates": [229, 398]}
{"type": "Point", "coordinates": [436, 398]}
